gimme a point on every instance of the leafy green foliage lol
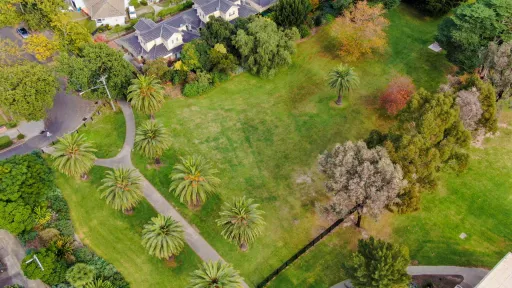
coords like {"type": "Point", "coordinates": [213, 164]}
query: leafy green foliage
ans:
{"type": "Point", "coordinates": [264, 48]}
{"type": "Point", "coordinates": [8, 14]}
{"type": "Point", "coordinates": [5, 142]}
{"type": "Point", "coordinates": [215, 274]}
{"type": "Point", "coordinates": [193, 181]}
{"type": "Point", "coordinates": [151, 139]}
{"type": "Point", "coordinates": [73, 155]}
{"type": "Point", "coordinates": [16, 216]}
{"type": "Point", "coordinates": [121, 188]}
{"type": "Point", "coordinates": [388, 4]}
{"type": "Point", "coordinates": [27, 90]}
{"type": "Point", "coordinates": [54, 269]}
{"type": "Point", "coordinates": [344, 79]}
{"type": "Point", "coordinates": [427, 136]}
{"type": "Point", "coordinates": [175, 9]}
{"type": "Point", "coordinates": [291, 13]}
{"type": "Point", "coordinates": [99, 283]}
{"type": "Point", "coordinates": [38, 15]}
{"type": "Point", "coordinates": [201, 84]}
{"type": "Point", "coordinates": [378, 264]}
{"type": "Point", "coordinates": [146, 94]}
{"type": "Point", "coordinates": [92, 62]}
{"type": "Point", "coordinates": [156, 68]}
{"type": "Point", "coordinates": [471, 28]}
{"type": "Point", "coordinates": [80, 274]}
{"type": "Point", "coordinates": [221, 60]}
{"type": "Point", "coordinates": [163, 237]}
{"type": "Point", "coordinates": [218, 31]}
{"type": "Point", "coordinates": [241, 221]}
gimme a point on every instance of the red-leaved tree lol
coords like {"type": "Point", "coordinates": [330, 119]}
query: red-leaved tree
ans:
{"type": "Point", "coordinates": [397, 94]}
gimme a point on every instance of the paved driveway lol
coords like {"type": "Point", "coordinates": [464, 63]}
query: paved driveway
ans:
{"type": "Point", "coordinates": [65, 115]}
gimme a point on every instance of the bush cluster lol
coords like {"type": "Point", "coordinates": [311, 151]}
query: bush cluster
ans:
{"type": "Point", "coordinates": [175, 9]}
{"type": "Point", "coordinates": [5, 142]}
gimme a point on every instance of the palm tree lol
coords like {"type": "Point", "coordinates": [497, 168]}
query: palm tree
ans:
{"type": "Point", "coordinates": [216, 274]}
{"type": "Point", "coordinates": [343, 78]}
{"type": "Point", "coordinates": [73, 155]}
{"type": "Point", "coordinates": [163, 237]}
{"type": "Point", "coordinates": [193, 180]}
{"type": "Point", "coordinates": [151, 139]}
{"type": "Point", "coordinates": [121, 189]}
{"type": "Point", "coordinates": [99, 283]}
{"type": "Point", "coordinates": [146, 94]}
{"type": "Point", "coordinates": [242, 222]}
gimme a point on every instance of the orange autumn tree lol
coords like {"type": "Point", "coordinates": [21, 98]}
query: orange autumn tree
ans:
{"type": "Point", "coordinates": [360, 31]}
{"type": "Point", "coordinates": [397, 94]}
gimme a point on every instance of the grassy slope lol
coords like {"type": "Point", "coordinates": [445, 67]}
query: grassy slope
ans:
{"type": "Point", "coordinates": [262, 134]}
{"type": "Point", "coordinates": [116, 237]}
{"type": "Point", "coordinates": [107, 133]}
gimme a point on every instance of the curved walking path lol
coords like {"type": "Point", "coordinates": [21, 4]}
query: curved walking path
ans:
{"type": "Point", "coordinates": [123, 159]}
{"type": "Point", "coordinates": [472, 276]}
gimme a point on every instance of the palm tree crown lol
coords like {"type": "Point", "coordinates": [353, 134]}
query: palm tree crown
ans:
{"type": "Point", "coordinates": [121, 188]}
{"type": "Point", "coordinates": [216, 274]}
{"type": "Point", "coordinates": [163, 237]}
{"type": "Point", "coordinates": [343, 78]}
{"type": "Point", "coordinates": [151, 139]}
{"type": "Point", "coordinates": [146, 94]}
{"type": "Point", "coordinates": [193, 180]}
{"type": "Point", "coordinates": [73, 155]}
{"type": "Point", "coordinates": [242, 221]}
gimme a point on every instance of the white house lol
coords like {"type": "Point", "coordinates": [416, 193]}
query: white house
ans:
{"type": "Point", "coordinates": [111, 12]}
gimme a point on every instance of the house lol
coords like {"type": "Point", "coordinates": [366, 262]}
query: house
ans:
{"type": "Point", "coordinates": [165, 39]}
{"type": "Point", "coordinates": [103, 12]}
{"type": "Point", "coordinates": [500, 276]}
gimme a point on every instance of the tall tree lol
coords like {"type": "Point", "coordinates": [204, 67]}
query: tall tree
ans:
{"type": "Point", "coordinates": [241, 222]}
{"type": "Point", "coordinates": [378, 264]}
{"type": "Point", "coordinates": [9, 15]}
{"type": "Point", "coordinates": [163, 237]}
{"type": "Point", "coordinates": [291, 13]}
{"type": "Point", "coordinates": [470, 108]}
{"type": "Point", "coordinates": [264, 47]}
{"type": "Point", "coordinates": [221, 60]}
{"type": "Point", "coordinates": [27, 90]}
{"type": "Point", "coordinates": [151, 139]}
{"type": "Point", "coordinates": [42, 47]}
{"type": "Point", "coordinates": [360, 177]}
{"type": "Point", "coordinates": [121, 189]}
{"type": "Point", "coordinates": [497, 68]}
{"type": "Point", "coordinates": [193, 181]}
{"type": "Point", "coordinates": [74, 155]}
{"type": "Point", "coordinates": [215, 274]}
{"type": "Point", "coordinates": [344, 79]}
{"type": "Point", "coordinates": [360, 31]}
{"type": "Point", "coordinates": [470, 29]}
{"type": "Point", "coordinates": [427, 136]}
{"type": "Point", "coordinates": [146, 95]}
{"type": "Point", "coordinates": [218, 31]}
{"type": "Point", "coordinates": [93, 62]}
{"type": "Point", "coordinates": [71, 35]}
{"type": "Point", "coordinates": [397, 94]}
{"type": "Point", "coordinates": [38, 14]}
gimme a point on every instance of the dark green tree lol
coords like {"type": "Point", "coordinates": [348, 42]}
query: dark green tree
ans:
{"type": "Point", "coordinates": [291, 13]}
{"type": "Point", "coordinates": [218, 31]}
{"type": "Point", "coordinates": [27, 90]}
{"type": "Point", "coordinates": [465, 34]}
{"type": "Point", "coordinates": [264, 47]}
{"type": "Point", "coordinates": [92, 62]}
{"type": "Point", "coordinates": [54, 269]}
{"type": "Point", "coordinates": [222, 61]}
{"type": "Point", "coordinates": [428, 135]}
{"type": "Point", "coordinates": [156, 68]}
{"type": "Point", "coordinates": [378, 264]}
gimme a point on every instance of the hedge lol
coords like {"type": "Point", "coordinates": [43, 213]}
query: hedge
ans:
{"type": "Point", "coordinates": [5, 142]}
{"type": "Point", "coordinates": [175, 9]}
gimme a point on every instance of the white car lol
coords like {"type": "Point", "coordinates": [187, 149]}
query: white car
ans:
{"type": "Point", "coordinates": [131, 12]}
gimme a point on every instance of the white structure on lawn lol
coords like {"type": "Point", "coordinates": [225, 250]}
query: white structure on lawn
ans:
{"type": "Point", "coordinates": [166, 39]}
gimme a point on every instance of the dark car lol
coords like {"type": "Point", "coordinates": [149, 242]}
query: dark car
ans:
{"type": "Point", "coordinates": [23, 32]}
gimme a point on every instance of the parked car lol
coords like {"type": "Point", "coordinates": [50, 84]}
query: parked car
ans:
{"type": "Point", "coordinates": [131, 12]}
{"type": "Point", "coordinates": [23, 32]}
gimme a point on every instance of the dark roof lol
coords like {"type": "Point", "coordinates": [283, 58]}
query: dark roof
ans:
{"type": "Point", "coordinates": [144, 25]}
{"type": "Point", "coordinates": [185, 17]}
{"type": "Point", "coordinates": [264, 3]}
{"type": "Point", "coordinates": [211, 6]}
{"type": "Point", "coordinates": [246, 11]}
{"type": "Point", "coordinates": [131, 43]}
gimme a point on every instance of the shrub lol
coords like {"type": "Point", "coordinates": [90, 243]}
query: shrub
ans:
{"type": "Point", "coordinates": [178, 76]}
{"type": "Point", "coordinates": [20, 136]}
{"type": "Point", "coordinates": [328, 18]}
{"type": "Point", "coordinates": [175, 9]}
{"type": "Point", "coordinates": [84, 255]}
{"type": "Point", "coordinates": [58, 204]}
{"type": "Point", "coordinates": [388, 4]}
{"type": "Point", "coordinates": [143, 2]}
{"type": "Point", "coordinates": [64, 226]}
{"type": "Point", "coordinates": [80, 274]}
{"type": "Point", "coordinates": [304, 31]}
{"type": "Point", "coordinates": [199, 86]}
{"type": "Point", "coordinates": [219, 77]}
{"type": "Point", "coordinates": [48, 235]}
{"type": "Point", "coordinates": [27, 236]}
{"type": "Point", "coordinates": [5, 142]}
{"type": "Point", "coordinates": [397, 94]}
{"type": "Point", "coordinates": [54, 270]}
{"type": "Point", "coordinates": [134, 3]}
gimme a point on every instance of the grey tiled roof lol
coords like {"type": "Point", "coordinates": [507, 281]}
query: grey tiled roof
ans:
{"type": "Point", "coordinates": [105, 8]}
{"type": "Point", "coordinates": [144, 25]}
{"type": "Point", "coordinates": [264, 3]}
{"type": "Point", "coordinates": [246, 11]}
{"type": "Point", "coordinates": [131, 43]}
{"type": "Point", "coordinates": [212, 6]}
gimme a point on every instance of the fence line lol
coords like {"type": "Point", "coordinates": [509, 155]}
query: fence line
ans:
{"type": "Point", "coordinates": [304, 249]}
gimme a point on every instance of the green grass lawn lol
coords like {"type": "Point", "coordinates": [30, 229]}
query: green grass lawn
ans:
{"type": "Point", "coordinates": [263, 134]}
{"type": "Point", "coordinates": [107, 132]}
{"type": "Point", "coordinates": [117, 237]}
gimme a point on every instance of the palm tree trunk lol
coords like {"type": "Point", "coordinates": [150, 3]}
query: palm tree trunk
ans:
{"type": "Point", "coordinates": [128, 211]}
{"type": "Point", "coordinates": [244, 246]}
{"type": "Point", "coordinates": [152, 116]}
{"type": "Point", "coordinates": [359, 217]}
{"type": "Point", "coordinates": [157, 161]}
{"type": "Point", "coordinates": [84, 176]}
{"type": "Point", "coordinates": [338, 101]}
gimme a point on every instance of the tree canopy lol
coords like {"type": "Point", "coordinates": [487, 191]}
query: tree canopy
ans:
{"type": "Point", "coordinates": [54, 269]}
{"type": "Point", "coordinates": [465, 34]}
{"type": "Point", "coordinates": [378, 264]}
{"type": "Point", "coordinates": [27, 89]}
{"type": "Point", "coordinates": [264, 47]}
{"type": "Point", "coordinates": [435, 7]}
{"type": "Point", "coordinates": [215, 274]}
{"type": "Point", "coordinates": [497, 68]}
{"type": "Point", "coordinates": [146, 94]}
{"type": "Point", "coordinates": [80, 274]}
{"type": "Point", "coordinates": [218, 31]}
{"type": "Point", "coordinates": [92, 62]}
{"type": "Point", "coordinates": [291, 13]}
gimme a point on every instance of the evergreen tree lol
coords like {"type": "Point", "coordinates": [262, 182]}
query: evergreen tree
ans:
{"type": "Point", "coordinates": [291, 13]}
{"type": "Point", "coordinates": [146, 95]}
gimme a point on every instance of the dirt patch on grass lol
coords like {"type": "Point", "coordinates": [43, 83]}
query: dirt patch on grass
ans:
{"type": "Point", "coordinates": [173, 91]}
{"type": "Point", "coordinates": [437, 281]}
